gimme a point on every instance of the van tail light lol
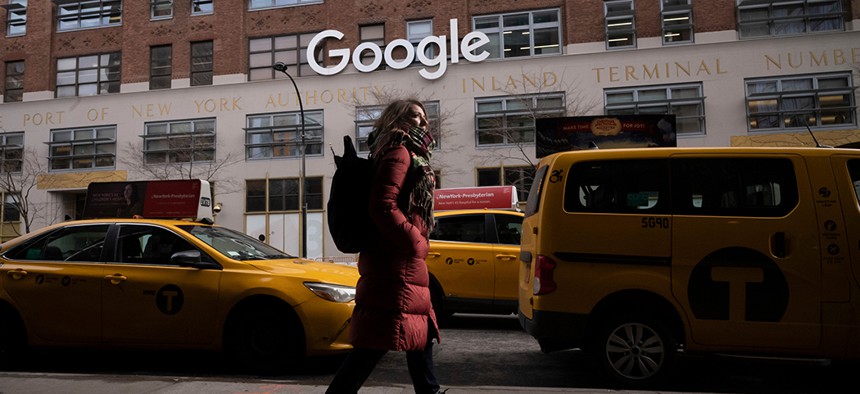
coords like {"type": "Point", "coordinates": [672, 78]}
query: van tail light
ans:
{"type": "Point", "coordinates": [544, 282]}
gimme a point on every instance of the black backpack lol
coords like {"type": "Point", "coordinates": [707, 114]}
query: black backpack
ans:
{"type": "Point", "coordinates": [349, 221]}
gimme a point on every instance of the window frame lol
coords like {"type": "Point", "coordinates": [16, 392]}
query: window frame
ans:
{"type": "Point", "coordinates": [415, 38]}
{"type": "Point", "coordinates": [200, 148]}
{"type": "Point", "coordinates": [672, 10]}
{"type": "Point", "coordinates": [504, 116]}
{"type": "Point", "coordinates": [497, 30]}
{"type": "Point", "coordinates": [14, 81]}
{"type": "Point", "coordinates": [255, 5]}
{"type": "Point", "coordinates": [88, 14]}
{"type": "Point", "coordinates": [260, 61]}
{"type": "Point", "coordinates": [107, 73]}
{"type": "Point", "coordinates": [259, 191]}
{"type": "Point", "coordinates": [747, 21]}
{"type": "Point", "coordinates": [16, 18]}
{"type": "Point", "coordinates": [635, 106]}
{"type": "Point", "coordinates": [202, 7]}
{"type": "Point", "coordinates": [11, 151]}
{"type": "Point", "coordinates": [160, 69]}
{"type": "Point", "coordinates": [202, 63]}
{"type": "Point", "coordinates": [263, 140]}
{"type": "Point", "coordinates": [160, 9]}
{"type": "Point", "coordinates": [96, 145]}
{"type": "Point", "coordinates": [783, 95]}
{"type": "Point", "coordinates": [615, 17]}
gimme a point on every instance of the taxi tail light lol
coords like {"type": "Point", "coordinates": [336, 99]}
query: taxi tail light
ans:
{"type": "Point", "coordinates": [544, 282]}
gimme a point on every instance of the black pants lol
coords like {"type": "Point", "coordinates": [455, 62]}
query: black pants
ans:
{"type": "Point", "coordinates": [361, 362]}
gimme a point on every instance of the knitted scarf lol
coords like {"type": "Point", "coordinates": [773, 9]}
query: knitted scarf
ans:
{"type": "Point", "coordinates": [420, 144]}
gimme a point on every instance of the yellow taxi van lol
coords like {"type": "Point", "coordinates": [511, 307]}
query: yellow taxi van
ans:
{"type": "Point", "coordinates": [635, 255]}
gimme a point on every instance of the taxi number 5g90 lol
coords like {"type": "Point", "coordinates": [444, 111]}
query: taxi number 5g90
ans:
{"type": "Point", "coordinates": [652, 222]}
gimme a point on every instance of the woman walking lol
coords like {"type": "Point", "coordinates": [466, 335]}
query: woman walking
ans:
{"type": "Point", "coordinates": [392, 305]}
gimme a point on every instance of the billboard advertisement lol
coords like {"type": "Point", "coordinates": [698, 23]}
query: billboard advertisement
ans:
{"type": "Point", "coordinates": [603, 132]}
{"type": "Point", "coordinates": [481, 197]}
{"type": "Point", "coordinates": [188, 198]}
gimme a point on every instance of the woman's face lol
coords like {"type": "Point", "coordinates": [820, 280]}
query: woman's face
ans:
{"type": "Point", "coordinates": [416, 117]}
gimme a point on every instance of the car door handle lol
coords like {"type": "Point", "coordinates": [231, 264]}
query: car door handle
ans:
{"type": "Point", "coordinates": [505, 257]}
{"type": "Point", "coordinates": [116, 279]}
{"type": "Point", "coordinates": [778, 245]}
{"type": "Point", "coordinates": [433, 254]}
{"type": "Point", "coordinates": [16, 273]}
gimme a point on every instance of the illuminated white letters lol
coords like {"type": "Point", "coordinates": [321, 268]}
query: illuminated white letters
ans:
{"type": "Point", "coordinates": [467, 46]}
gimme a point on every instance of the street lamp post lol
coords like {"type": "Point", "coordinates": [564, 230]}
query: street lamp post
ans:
{"type": "Point", "coordinates": [303, 225]}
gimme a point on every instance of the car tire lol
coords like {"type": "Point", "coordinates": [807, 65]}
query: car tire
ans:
{"type": "Point", "coordinates": [438, 300]}
{"type": "Point", "coordinates": [266, 340]}
{"type": "Point", "coordinates": [13, 337]}
{"type": "Point", "coordinates": [634, 350]}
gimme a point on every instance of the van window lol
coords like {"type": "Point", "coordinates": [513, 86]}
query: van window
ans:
{"type": "Point", "coordinates": [854, 173]}
{"type": "Point", "coordinates": [618, 186]}
{"type": "Point", "coordinates": [533, 201]}
{"type": "Point", "coordinates": [734, 186]}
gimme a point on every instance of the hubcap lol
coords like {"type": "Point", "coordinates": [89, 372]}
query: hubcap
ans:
{"type": "Point", "coordinates": [635, 351]}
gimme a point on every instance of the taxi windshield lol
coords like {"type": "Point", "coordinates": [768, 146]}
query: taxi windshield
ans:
{"type": "Point", "coordinates": [234, 244]}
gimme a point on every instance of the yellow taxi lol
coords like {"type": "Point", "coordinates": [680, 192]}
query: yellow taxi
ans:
{"type": "Point", "coordinates": [638, 256]}
{"type": "Point", "coordinates": [473, 261]}
{"type": "Point", "coordinates": [171, 284]}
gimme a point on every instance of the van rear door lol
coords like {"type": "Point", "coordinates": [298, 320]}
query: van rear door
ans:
{"type": "Point", "coordinates": [745, 258]}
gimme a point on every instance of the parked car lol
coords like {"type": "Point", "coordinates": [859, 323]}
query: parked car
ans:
{"type": "Point", "coordinates": [473, 261]}
{"type": "Point", "coordinates": [171, 284]}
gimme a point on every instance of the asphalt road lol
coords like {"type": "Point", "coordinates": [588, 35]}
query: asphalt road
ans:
{"type": "Point", "coordinates": [476, 351]}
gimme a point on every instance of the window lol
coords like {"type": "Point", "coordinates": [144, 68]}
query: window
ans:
{"type": "Point", "coordinates": [520, 177]}
{"type": "Point", "coordinates": [733, 187]}
{"type": "Point", "coordinates": [261, 4]}
{"type": "Point", "coordinates": [291, 50]}
{"type": "Point", "coordinates": [417, 31]}
{"type": "Point", "coordinates": [201, 63]}
{"type": "Point", "coordinates": [677, 18]}
{"type": "Point", "coordinates": [282, 194]}
{"type": "Point", "coordinates": [780, 18]}
{"type": "Point", "coordinates": [366, 116]}
{"type": "Point", "coordinates": [84, 148]}
{"type": "Point", "coordinates": [463, 228]}
{"type": "Point", "coordinates": [16, 18]}
{"type": "Point", "coordinates": [73, 15]}
{"type": "Point", "coordinates": [618, 186]}
{"type": "Point", "coordinates": [161, 9]}
{"type": "Point", "coordinates": [160, 67]}
{"type": "Point", "coordinates": [521, 34]}
{"type": "Point", "coordinates": [511, 120]}
{"type": "Point", "coordinates": [11, 152]}
{"type": "Point", "coordinates": [620, 24]}
{"type": "Point", "coordinates": [11, 210]}
{"type": "Point", "coordinates": [75, 243]}
{"type": "Point", "coordinates": [184, 141]}
{"type": "Point", "coordinates": [373, 34]}
{"type": "Point", "coordinates": [200, 7]}
{"type": "Point", "coordinates": [280, 135]}
{"type": "Point", "coordinates": [686, 102]}
{"type": "Point", "coordinates": [149, 245]}
{"type": "Point", "coordinates": [778, 103]}
{"type": "Point", "coordinates": [88, 75]}
{"type": "Point", "coordinates": [13, 87]}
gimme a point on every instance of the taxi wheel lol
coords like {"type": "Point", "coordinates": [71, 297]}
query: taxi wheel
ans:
{"type": "Point", "coordinates": [13, 340]}
{"type": "Point", "coordinates": [634, 350]}
{"type": "Point", "coordinates": [438, 301]}
{"type": "Point", "coordinates": [266, 340]}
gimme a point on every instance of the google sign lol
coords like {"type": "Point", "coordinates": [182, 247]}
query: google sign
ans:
{"type": "Point", "coordinates": [470, 43]}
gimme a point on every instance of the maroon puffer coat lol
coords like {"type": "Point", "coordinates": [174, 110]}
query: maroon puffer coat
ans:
{"type": "Point", "coordinates": [393, 294]}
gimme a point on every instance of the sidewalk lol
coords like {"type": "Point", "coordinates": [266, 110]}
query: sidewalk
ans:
{"type": "Point", "coordinates": [32, 383]}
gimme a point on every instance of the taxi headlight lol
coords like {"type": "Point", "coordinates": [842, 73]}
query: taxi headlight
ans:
{"type": "Point", "coordinates": [334, 293]}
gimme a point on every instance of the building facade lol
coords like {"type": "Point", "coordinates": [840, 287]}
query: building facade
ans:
{"type": "Point", "coordinates": [111, 90]}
